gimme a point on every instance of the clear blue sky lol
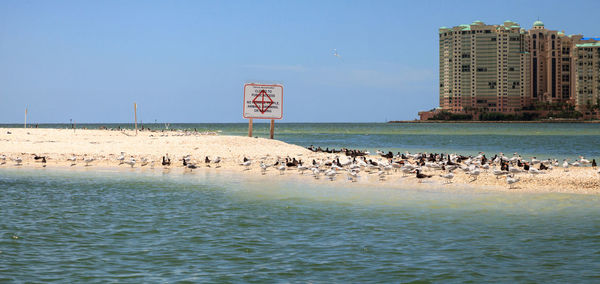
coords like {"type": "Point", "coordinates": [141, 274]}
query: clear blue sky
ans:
{"type": "Point", "coordinates": [187, 61]}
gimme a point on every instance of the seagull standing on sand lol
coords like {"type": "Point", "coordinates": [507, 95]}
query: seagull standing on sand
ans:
{"type": "Point", "coordinates": [121, 158]}
{"type": "Point", "coordinates": [281, 169]}
{"type": "Point", "coordinates": [448, 177]}
{"type": "Point", "coordinates": [510, 179]}
{"type": "Point", "coordinates": [3, 159]}
{"type": "Point", "coordinates": [302, 168]}
{"type": "Point", "coordinates": [73, 160]}
{"type": "Point", "coordinates": [263, 168]}
{"type": "Point", "coordinates": [315, 172]}
{"type": "Point", "coordinates": [88, 160]}
{"type": "Point", "coordinates": [18, 161]}
{"type": "Point", "coordinates": [216, 161]}
{"type": "Point", "coordinates": [131, 162]}
{"type": "Point", "coordinates": [583, 161]}
{"type": "Point", "coordinates": [475, 173]}
{"type": "Point", "coordinates": [246, 164]}
{"type": "Point", "coordinates": [352, 176]}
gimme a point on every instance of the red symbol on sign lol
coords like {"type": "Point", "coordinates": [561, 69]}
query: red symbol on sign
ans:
{"type": "Point", "coordinates": [264, 103]}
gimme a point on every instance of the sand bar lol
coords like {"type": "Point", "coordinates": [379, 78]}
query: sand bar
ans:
{"type": "Point", "coordinates": [105, 146]}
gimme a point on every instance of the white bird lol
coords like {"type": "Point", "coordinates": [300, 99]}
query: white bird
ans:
{"type": "Point", "coordinates": [281, 169]}
{"type": "Point", "coordinates": [352, 176]}
{"type": "Point", "coordinates": [406, 170]}
{"type": "Point", "coordinates": [88, 160]}
{"type": "Point", "coordinates": [331, 174]}
{"type": "Point", "coordinates": [131, 162]}
{"type": "Point", "coordinates": [565, 165]}
{"type": "Point", "coordinates": [381, 175]}
{"type": "Point", "coordinates": [18, 161]}
{"type": "Point", "coordinates": [448, 177]}
{"type": "Point", "coordinates": [315, 173]}
{"type": "Point", "coordinates": [486, 167]}
{"type": "Point", "coordinates": [3, 158]}
{"type": "Point", "coordinates": [511, 180]}
{"type": "Point", "coordinates": [263, 167]}
{"type": "Point", "coordinates": [121, 158]}
{"type": "Point", "coordinates": [216, 161]}
{"type": "Point", "coordinates": [72, 159]}
{"type": "Point", "coordinates": [583, 161]}
{"type": "Point", "coordinates": [475, 173]}
{"type": "Point", "coordinates": [246, 164]}
{"type": "Point", "coordinates": [388, 169]}
{"type": "Point", "coordinates": [514, 170]}
{"type": "Point", "coordinates": [498, 173]}
{"type": "Point", "coordinates": [335, 53]}
{"type": "Point", "coordinates": [534, 171]}
{"type": "Point", "coordinates": [301, 169]}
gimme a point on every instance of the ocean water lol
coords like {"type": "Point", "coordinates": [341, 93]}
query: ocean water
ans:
{"type": "Point", "coordinates": [542, 140]}
{"type": "Point", "coordinates": [102, 226]}
{"type": "Point", "coordinates": [210, 226]}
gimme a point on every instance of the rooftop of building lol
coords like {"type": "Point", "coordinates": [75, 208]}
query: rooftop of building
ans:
{"type": "Point", "coordinates": [538, 23]}
{"type": "Point", "coordinates": [589, 44]}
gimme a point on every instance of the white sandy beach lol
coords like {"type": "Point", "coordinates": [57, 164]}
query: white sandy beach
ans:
{"type": "Point", "coordinates": [57, 145]}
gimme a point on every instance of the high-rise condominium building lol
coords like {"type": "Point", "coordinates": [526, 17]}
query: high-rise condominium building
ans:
{"type": "Point", "coordinates": [484, 67]}
{"type": "Point", "coordinates": [550, 64]}
{"type": "Point", "coordinates": [504, 68]}
{"type": "Point", "coordinates": [587, 75]}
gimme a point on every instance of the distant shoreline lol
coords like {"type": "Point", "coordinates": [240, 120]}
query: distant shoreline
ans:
{"type": "Point", "coordinates": [506, 121]}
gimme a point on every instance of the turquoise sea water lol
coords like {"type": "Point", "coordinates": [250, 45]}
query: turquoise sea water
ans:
{"type": "Point", "coordinates": [85, 226]}
{"type": "Point", "coordinates": [210, 226]}
{"type": "Point", "coordinates": [542, 140]}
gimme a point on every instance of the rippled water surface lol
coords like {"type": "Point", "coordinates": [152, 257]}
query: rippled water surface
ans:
{"type": "Point", "coordinates": [84, 226]}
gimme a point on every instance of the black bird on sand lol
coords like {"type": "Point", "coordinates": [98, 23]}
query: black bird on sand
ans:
{"type": "Point", "coordinates": [421, 176]}
{"type": "Point", "coordinates": [166, 161]}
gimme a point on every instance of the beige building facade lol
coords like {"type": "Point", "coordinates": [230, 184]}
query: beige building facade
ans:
{"type": "Point", "coordinates": [483, 67]}
{"type": "Point", "coordinates": [505, 68]}
{"type": "Point", "coordinates": [550, 65]}
{"type": "Point", "coordinates": [587, 75]}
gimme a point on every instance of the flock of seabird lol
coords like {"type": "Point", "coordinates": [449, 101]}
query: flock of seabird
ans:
{"type": "Point", "coordinates": [383, 164]}
{"type": "Point", "coordinates": [354, 162]}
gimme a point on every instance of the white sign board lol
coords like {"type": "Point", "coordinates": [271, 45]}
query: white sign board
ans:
{"type": "Point", "coordinates": [263, 101]}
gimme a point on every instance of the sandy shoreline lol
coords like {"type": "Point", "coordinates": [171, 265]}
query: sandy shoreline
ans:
{"type": "Point", "coordinates": [105, 146]}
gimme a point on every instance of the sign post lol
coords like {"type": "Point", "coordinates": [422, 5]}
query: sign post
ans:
{"type": "Point", "coordinates": [263, 102]}
{"type": "Point", "coordinates": [250, 127]}
{"type": "Point", "coordinates": [25, 126]}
